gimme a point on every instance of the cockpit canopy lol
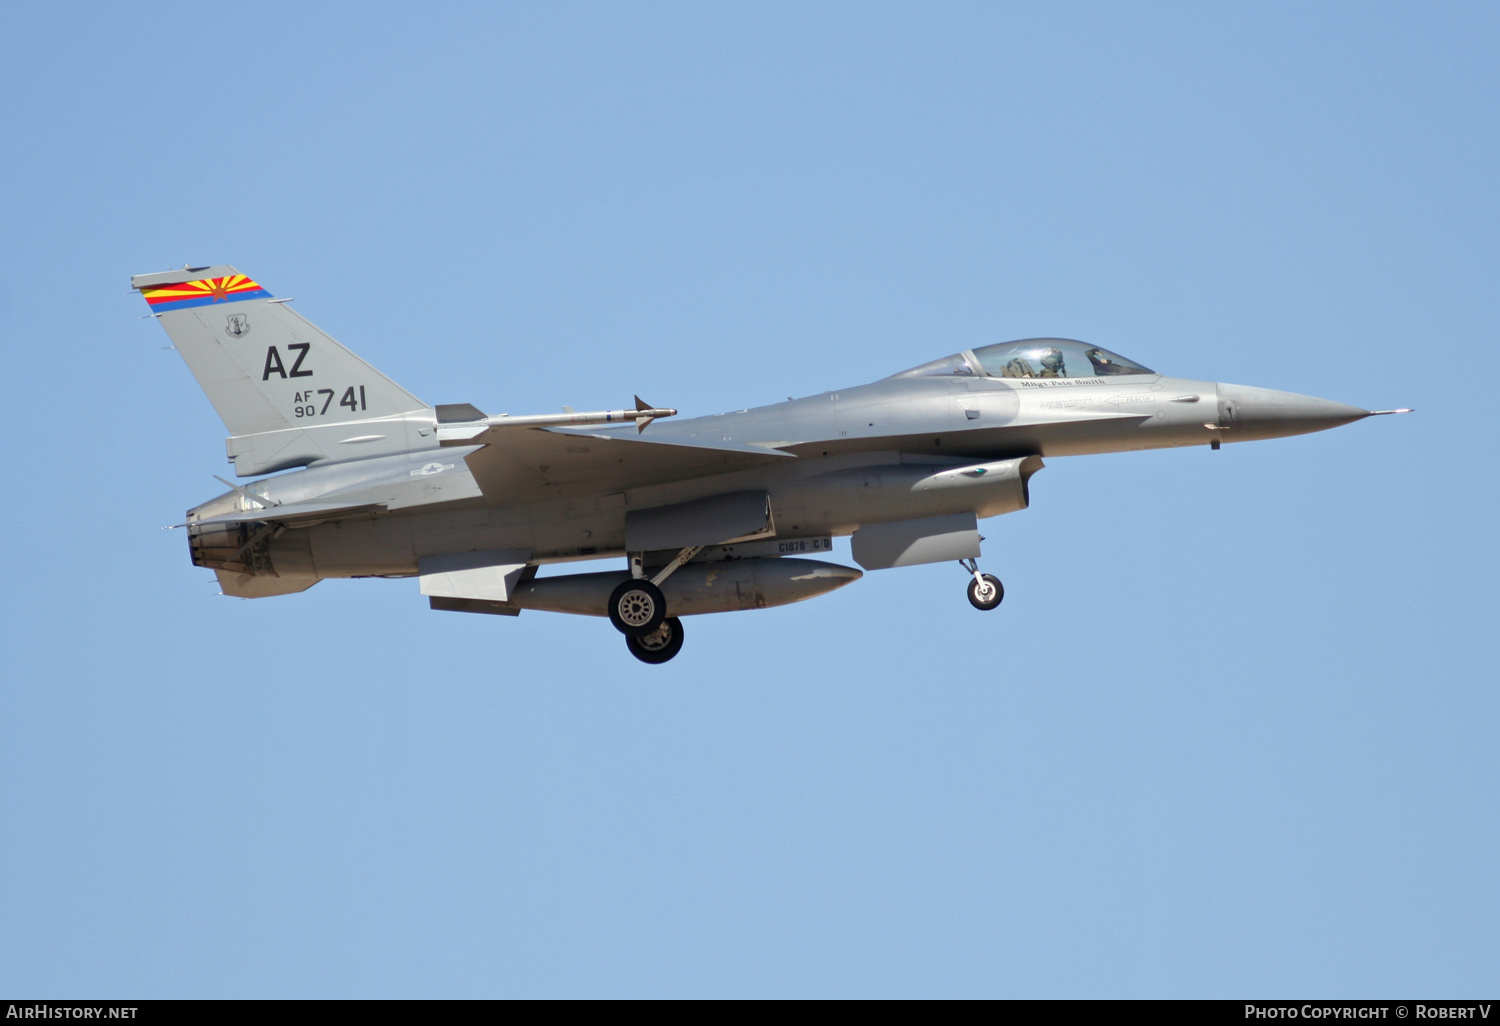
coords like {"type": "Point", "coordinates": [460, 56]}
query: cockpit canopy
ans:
{"type": "Point", "coordinates": [1031, 358]}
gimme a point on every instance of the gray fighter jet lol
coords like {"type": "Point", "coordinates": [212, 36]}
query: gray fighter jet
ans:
{"type": "Point", "coordinates": [710, 514]}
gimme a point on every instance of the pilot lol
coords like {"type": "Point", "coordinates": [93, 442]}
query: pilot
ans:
{"type": "Point", "coordinates": [1018, 368]}
{"type": "Point", "coordinates": [1052, 363]}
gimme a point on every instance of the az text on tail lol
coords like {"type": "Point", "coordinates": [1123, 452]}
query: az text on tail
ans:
{"type": "Point", "coordinates": [289, 394]}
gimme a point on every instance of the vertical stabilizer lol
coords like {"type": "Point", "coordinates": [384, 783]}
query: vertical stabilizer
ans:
{"type": "Point", "coordinates": [289, 394]}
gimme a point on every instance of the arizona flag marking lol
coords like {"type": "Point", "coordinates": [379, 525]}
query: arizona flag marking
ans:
{"type": "Point", "coordinates": [204, 292]}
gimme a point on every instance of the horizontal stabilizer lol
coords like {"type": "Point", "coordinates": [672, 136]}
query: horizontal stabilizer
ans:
{"type": "Point", "coordinates": [261, 585]}
{"type": "Point", "coordinates": [458, 413]}
{"type": "Point", "coordinates": [297, 514]}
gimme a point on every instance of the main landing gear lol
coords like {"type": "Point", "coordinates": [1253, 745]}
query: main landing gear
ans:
{"type": "Point", "coordinates": [985, 590]}
{"type": "Point", "coordinates": [660, 645]}
{"type": "Point", "coordinates": [638, 610]}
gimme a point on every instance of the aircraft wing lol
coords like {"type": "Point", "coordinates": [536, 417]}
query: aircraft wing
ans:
{"type": "Point", "coordinates": [518, 463]}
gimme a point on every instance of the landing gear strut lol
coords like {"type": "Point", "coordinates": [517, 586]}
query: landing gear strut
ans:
{"type": "Point", "coordinates": [985, 590]}
{"type": "Point", "coordinates": [638, 609]}
{"type": "Point", "coordinates": [660, 645]}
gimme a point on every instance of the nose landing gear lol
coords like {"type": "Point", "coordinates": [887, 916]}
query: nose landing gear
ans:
{"type": "Point", "coordinates": [985, 590]}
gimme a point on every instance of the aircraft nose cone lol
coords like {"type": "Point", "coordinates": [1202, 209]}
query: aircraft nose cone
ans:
{"type": "Point", "coordinates": [1247, 413]}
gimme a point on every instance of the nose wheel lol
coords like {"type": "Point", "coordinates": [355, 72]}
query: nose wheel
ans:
{"type": "Point", "coordinates": [985, 590]}
{"type": "Point", "coordinates": [658, 646]}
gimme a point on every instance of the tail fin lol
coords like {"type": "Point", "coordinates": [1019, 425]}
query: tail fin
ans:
{"type": "Point", "coordinates": [288, 393]}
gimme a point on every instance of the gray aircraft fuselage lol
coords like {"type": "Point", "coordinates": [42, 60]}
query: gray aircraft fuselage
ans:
{"type": "Point", "coordinates": [712, 514]}
{"type": "Point", "coordinates": [847, 443]}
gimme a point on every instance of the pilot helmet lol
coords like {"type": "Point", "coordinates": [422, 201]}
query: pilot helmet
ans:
{"type": "Point", "coordinates": [1052, 360]}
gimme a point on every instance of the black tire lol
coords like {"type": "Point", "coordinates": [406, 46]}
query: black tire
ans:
{"type": "Point", "coordinates": [637, 607]}
{"type": "Point", "coordinates": [660, 645]}
{"type": "Point", "coordinates": [990, 601]}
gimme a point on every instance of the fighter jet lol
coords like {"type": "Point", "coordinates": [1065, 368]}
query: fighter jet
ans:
{"type": "Point", "coordinates": [710, 514]}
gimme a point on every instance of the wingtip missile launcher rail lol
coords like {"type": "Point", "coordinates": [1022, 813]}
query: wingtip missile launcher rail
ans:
{"type": "Point", "coordinates": [460, 424]}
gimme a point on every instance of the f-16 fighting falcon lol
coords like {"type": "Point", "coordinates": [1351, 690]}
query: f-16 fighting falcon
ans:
{"type": "Point", "coordinates": [710, 514]}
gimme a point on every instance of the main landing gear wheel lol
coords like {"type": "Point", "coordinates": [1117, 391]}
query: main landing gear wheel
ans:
{"type": "Point", "coordinates": [637, 608]}
{"type": "Point", "coordinates": [660, 645]}
{"type": "Point", "coordinates": [986, 591]}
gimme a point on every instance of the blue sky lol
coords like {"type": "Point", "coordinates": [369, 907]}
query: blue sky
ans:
{"type": "Point", "coordinates": [1232, 732]}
